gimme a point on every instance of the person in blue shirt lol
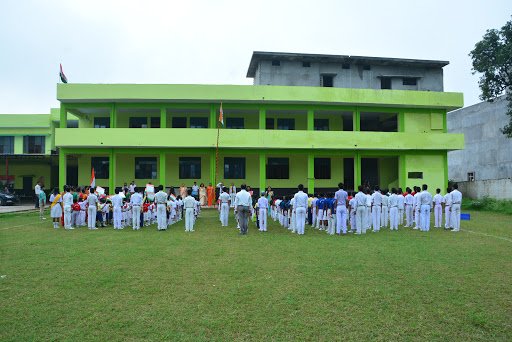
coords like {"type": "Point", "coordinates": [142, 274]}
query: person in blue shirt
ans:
{"type": "Point", "coordinates": [320, 204]}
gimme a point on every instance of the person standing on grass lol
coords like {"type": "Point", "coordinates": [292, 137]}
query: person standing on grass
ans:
{"type": "Point", "coordinates": [360, 207]}
{"type": "Point", "coordinates": [393, 210]}
{"type": "Point", "coordinates": [42, 203]}
{"type": "Point", "coordinates": [195, 191]}
{"type": "Point", "coordinates": [161, 208]}
{"type": "Point", "coordinates": [224, 199]}
{"type": "Point", "coordinates": [409, 206]}
{"type": "Point", "coordinates": [232, 194]}
{"type": "Point", "coordinates": [243, 203]}
{"type": "Point", "coordinates": [67, 202]}
{"type": "Point", "coordinates": [262, 212]}
{"type": "Point", "coordinates": [189, 203]}
{"type": "Point", "coordinates": [92, 208]}
{"type": "Point", "coordinates": [117, 203]}
{"type": "Point", "coordinates": [401, 206]}
{"type": "Point", "coordinates": [417, 205]}
{"type": "Point", "coordinates": [455, 209]}
{"type": "Point", "coordinates": [37, 190]}
{"type": "Point", "coordinates": [300, 205]}
{"type": "Point", "coordinates": [384, 213]}
{"type": "Point", "coordinates": [425, 208]}
{"type": "Point", "coordinates": [210, 194]}
{"type": "Point", "coordinates": [341, 197]}
{"type": "Point", "coordinates": [438, 209]}
{"type": "Point", "coordinates": [56, 207]}
{"type": "Point", "coordinates": [136, 202]}
{"type": "Point", "coordinates": [376, 209]}
{"type": "Point", "coordinates": [447, 208]}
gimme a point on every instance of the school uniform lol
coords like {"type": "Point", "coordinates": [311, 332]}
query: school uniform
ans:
{"type": "Point", "coordinates": [417, 205]}
{"type": "Point", "coordinates": [232, 195]}
{"type": "Point", "coordinates": [136, 202]}
{"type": "Point", "coordinates": [447, 210]}
{"type": "Point", "coordinates": [384, 213]}
{"type": "Point", "coordinates": [117, 203]}
{"type": "Point", "coordinates": [401, 207]}
{"type": "Point", "coordinates": [262, 213]}
{"type": "Point", "coordinates": [341, 211]}
{"type": "Point", "coordinates": [409, 206]}
{"type": "Point", "coordinates": [67, 202]}
{"type": "Point", "coordinates": [426, 206]}
{"type": "Point", "coordinates": [330, 216]}
{"type": "Point", "coordinates": [92, 202]}
{"type": "Point", "coordinates": [360, 206]}
{"type": "Point", "coordinates": [376, 210]}
{"type": "Point", "coordinates": [291, 212]}
{"type": "Point", "coordinates": [352, 205]}
{"type": "Point", "coordinates": [161, 213]}
{"type": "Point", "coordinates": [455, 209]}
{"type": "Point", "coordinates": [320, 214]}
{"type": "Point", "coordinates": [314, 211]}
{"type": "Point", "coordinates": [56, 208]}
{"type": "Point", "coordinates": [189, 203]}
{"type": "Point", "coordinates": [224, 199]}
{"type": "Point", "coordinates": [368, 211]}
{"type": "Point", "coordinates": [301, 203]}
{"type": "Point", "coordinates": [393, 212]}
{"type": "Point", "coordinates": [438, 210]}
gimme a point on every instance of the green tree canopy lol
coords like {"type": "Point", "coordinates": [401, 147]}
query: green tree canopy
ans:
{"type": "Point", "coordinates": [492, 57]}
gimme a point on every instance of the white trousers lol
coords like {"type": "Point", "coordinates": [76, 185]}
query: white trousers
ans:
{"type": "Point", "coordinates": [136, 217]}
{"type": "Point", "coordinates": [67, 216]}
{"type": "Point", "coordinates": [161, 216]}
{"type": "Point", "coordinates": [360, 216]}
{"type": "Point", "coordinates": [189, 219]}
{"type": "Point", "coordinates": [262, 217]}
{"type": "Point", "coordinates": [293, 226]}
{"type": "Point", "coordinates": [117, 217]}
{"type": "Point", "coordinates": [300, 220]}
{"type": "Point", "coordinates": [417, 217]}
{"type": "Point", "coordinates": [319, 218]}
{"type": "Point", "coordinates": [425, 217]}
{"type": "Point", "coordinates": [367, 217]}
{"type": "Point", "coordinates": [401, 216]}
{"type": "Point", "coordinates": [447, 217]}
{"type": "Point", "coordinates": [376, 218]}
{"type": "Point", "coordinates": [393, 218]}
{"type": "Point", "coordinates": [408, 215]}
{"type": "Point", "coordinates": [232, 196]}
{"type": "Point", "coordinates": [438, 216]}
{"type": "Point", "coordinates": [353, 219]}
{"type": "Point", "coordinates": [91, 218]}
{"type": "Point", "coordinates": [455, 217]}
{"type": "Point", "coordinates": [224, 214]}
{"type": "Point", "coordinates": [313, 216]}
{"type": "Point", "coordinates": [384, 216]}
{"type": "Point", "coordinates": [341, 219]}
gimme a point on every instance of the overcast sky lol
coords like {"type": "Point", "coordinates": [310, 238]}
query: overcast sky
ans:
{"type": "Point", "coordinates": [125, 41]}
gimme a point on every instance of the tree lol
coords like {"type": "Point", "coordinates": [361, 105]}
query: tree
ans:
{"type": "Point", "coordinates": [492, 57]}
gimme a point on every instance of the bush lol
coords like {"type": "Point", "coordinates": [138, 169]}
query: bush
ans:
{"type": "Point", "coordinates": [488, 204]}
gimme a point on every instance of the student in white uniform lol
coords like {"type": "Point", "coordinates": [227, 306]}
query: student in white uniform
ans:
{"type": "Point", "coordinates": [384, 216]}
{"type": "Point", "coordinates": [376, 209]}
{"type": "Point", "coordinates": [426, 206]}
{"type": "Point", "coordinates": [292, 226]}
{"type": "Point", "coordinates": [409, 206]}
{"type": "Point", "coordinates": [341, 197]}
{"type": "Point", "coordinates": [417, 205]}
{"type": "Point", "coordinates": [189, 204]}
{"type": "Point", "coordinates": [447, 208]}
{"type": "Point", "coordinates": [232, 194]}
{"type": "Point", "coordinates": [455, 209]}
{"type": "Point", "coordinates": [161, 208]}
{"type": "Point", "coordinates": [393, 210]}
{"type": "Point", "coordinates": [136, 202]}
{"type": "Point", "coordinates": [117, 203]}
{"type": "Point", "coordinates": [224, 199]}
{"type": "Point", "coordinates": [92, 202]}
{"type": "Point", "coordinates": [301, 204]}
{"type": "Point", "coordinates": [438, 209]}
{"type": "Point", "coordinates": [313, 211]}
{"type": "Point", "coordinates": [401, 206]}
{"type": "Point", "coordinates": [262, 212]}
{"type": "Point", "coordinates": [352, 206]}
{"type": "Point", "coordinates": [56, 207]}
{"type": "Point", "coordinates": [360, 205]}
{"type": "Point", "coordinates": [368, 212]}
{"type": "Point", "coordinates": [67, 202]}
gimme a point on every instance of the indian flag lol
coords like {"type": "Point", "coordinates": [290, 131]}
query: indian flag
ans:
{"type": "Point", "coordinates": [221, 115]}
{"type": "Point", "coordinates": [63, 77]}
{"type": "Point", "coordinates": [93, 178]}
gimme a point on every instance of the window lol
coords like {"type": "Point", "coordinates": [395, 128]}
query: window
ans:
{"type": "Point", "coordinates": [471, 176]}
{"type": "Point", "coordinates": [345, 65]}
{"type": "Point", "coordinates": [322, 168]}
{"type": "Point", "coordinates": [278, 168]}
{"type": "Point", "coordinates": [33, 145]}
{"type": "Point", "coordinates": [269, 123]}
{"type": "Point", "coordinates": [286, 124]}
{"type": "Point", "coordinates": [327, 80]}
{"type": "Point", "coordinates": [306, 64]}
{"type": "Point", "coordinates": [101, 167]}
{"type": "Point", "coordinates": [155, 122]}
{"type": "Point", "coordinates": [6, 145]}
{"type": "Point", "coordinates": [385, 83]}
{"type": "Point", "coordinates": [415, 175]}
{"type": "Point", "coordinates": [190, 167]}
{"type": "Point", "coordinates": [379, 122]}
{"type": "Point", "coordinates": [101, 122]}
{"type": "Point", "coordinates": [409, 81]}
{"type": "Point", "coordinates": [276, 63]}
{"type": "Point", "coordinates": [348, 122]}
{"type": "Point", "coordinates": [179, 122]}
{"type": "Point", "coordinates": [145, 167]}
{"type": "Point", "coordinates": [235, 123]}
{"type": "Point", "coordinates": [367, 67]}
{"type": "Point", "coordinates": [198, 122]}
{"type": "Point", "coordinates": [72, 124]}
{"type": "Point", "coordinates": [139, 122]}
{"type": "Point", "coordinates": [234, 168]}
{"type": "Point", "coordinates": [321, 124]}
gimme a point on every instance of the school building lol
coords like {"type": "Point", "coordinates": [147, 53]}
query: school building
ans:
{"type": "Point", "coordinates": [311, 119]}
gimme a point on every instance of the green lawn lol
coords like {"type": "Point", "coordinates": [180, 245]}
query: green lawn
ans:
{"type": "Point", "coordinates": [215, 285]}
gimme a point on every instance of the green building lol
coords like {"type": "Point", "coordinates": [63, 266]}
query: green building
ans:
{"type": "Point", "coordinates": [273, 135]}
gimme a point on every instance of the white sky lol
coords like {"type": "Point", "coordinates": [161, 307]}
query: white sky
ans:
{"type": "Point", "coordinates": [126, 41]}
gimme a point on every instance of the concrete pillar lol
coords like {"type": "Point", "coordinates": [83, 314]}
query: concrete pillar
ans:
{"type": "Point", "coordinates": [311, 120]}
{"type": "Point", "coordinates": [263, 172]}
{"type": "Point", "coordinates": [311, 173]}
{"type": "Point", "coordinates": [63, 116]}
{"type": "Point", "coordinates": [113, 116]}
{"type": "Point", "coordinates": [262, 118]}
{"type": "Point", "coordinates": [357, 170]}
{"type": "Point", "coordinates": [112, 172]}
{"type": "Point", "coordinates": [163, 117]}
{"type": "Point", "coordinates": [62, 168]}
{"type": "Point", "coordinates": [161, 168]}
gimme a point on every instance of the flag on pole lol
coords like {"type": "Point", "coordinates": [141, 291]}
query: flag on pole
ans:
{"type": "Point", "coordinates": [93, 178]}
{"type": "Point", "coordinates": [221, 115]}
{"type": "Point", "coordinates": [63, 77]}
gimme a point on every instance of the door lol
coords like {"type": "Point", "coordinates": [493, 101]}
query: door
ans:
{"type": "Point", "coordinates": [27, 185]}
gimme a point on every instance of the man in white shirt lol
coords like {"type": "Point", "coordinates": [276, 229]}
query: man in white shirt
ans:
{"type": "Point", "coordinates": [384, 213]}
{"type": "Point", "coordinates": [243, 203]}
{"type": "Point", "coordinates": [232, 194]}
{"type": "Point", "coordinates": [161, 208]}
{"type": "Point", "coordinates": [117, 203]}
{"type": "Point", "coordinates": [92, 208]}
{"type": "Point", "coordinates": [360, 206]}
{"type": "Point", "coordinates": [455, 209]}
{"type": "Point", "coordinates": [401, 206]}
{"type": "Point", "coordinates": [67, 202]}
{"type": "Point", "coordinates": [417, 205]}
{"type": "Point", "coordinates": [438, 209]}
{"type": "Point", "coordinates": [368, 212]}
{"type": "Point", "coordinates": [262, 212]}
{"type": "Point", "coordinates": [300, 205]}
{"type": "Point", "coordinates": [376, 209]}
{"type": "Point", "coordinates": [447, 208]}
{"type": "Point", "coordinates": [136, 203]}
{"type": "Point", "coordinates": [341, 197]}
{"type": "Point", "coordinates": [37, 190]}
{"type": "Point", "coordinates": [393, 210]}
{"type": "Point", "coordinates": [189, 204]}
{"type": "Point", "coordinates": [426, 206]}
{"type": "Point", "coordinates": [409, 206]}
{"type": "Point", "coordinates": [224, 199]}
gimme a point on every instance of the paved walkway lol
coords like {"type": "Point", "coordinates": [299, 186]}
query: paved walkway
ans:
{"type": "Point", "coordinates": [16, 208]}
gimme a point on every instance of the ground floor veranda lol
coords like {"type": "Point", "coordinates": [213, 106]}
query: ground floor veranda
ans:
{"type": "Point", "coordinates": [283, 170]}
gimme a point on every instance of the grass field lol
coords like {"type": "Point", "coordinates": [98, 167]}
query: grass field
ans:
{"type": "Point", "coordinates": [215, 285]}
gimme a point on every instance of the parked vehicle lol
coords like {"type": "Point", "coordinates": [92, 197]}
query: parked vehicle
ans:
{"type": "Point", "coordinates": [7, 199]}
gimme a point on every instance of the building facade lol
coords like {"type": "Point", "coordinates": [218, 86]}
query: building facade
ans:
{"type": "Point", "coordinates": [484, 167]}
{"type": "Point", "coordinates": [273, 135]}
